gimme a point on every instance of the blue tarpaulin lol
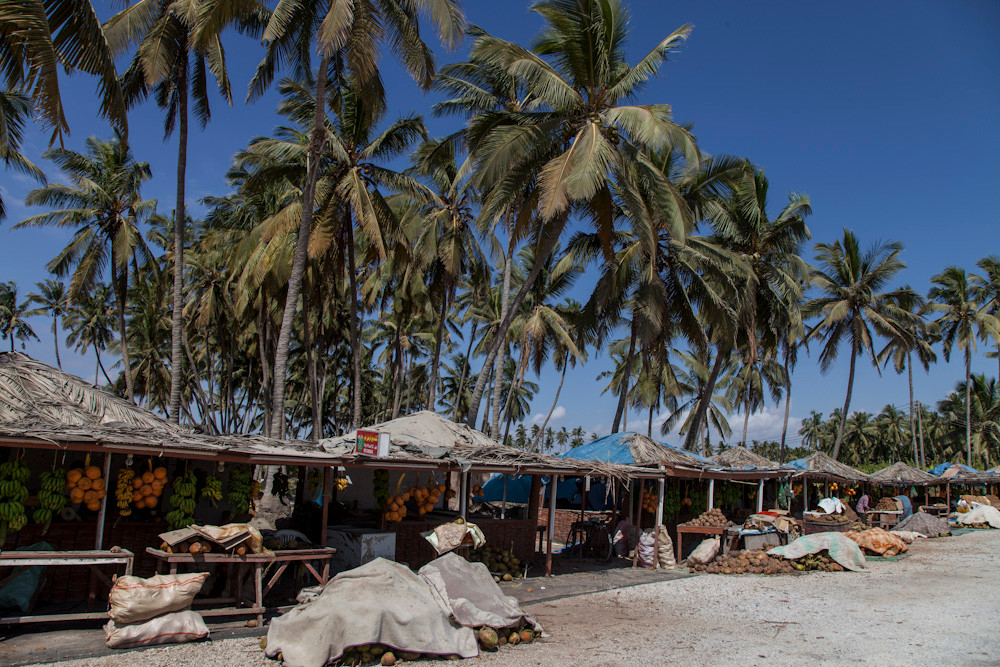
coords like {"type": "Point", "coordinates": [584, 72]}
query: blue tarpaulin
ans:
{"type": "Point", "coordinates": [615, 448]}
{"type": "Point", "coordinates": [941, 467]}
{"type": "Point", "coordinates": [519, 489]}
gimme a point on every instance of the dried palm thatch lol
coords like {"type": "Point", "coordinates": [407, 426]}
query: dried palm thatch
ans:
{"type": "Point", "coordinates": [959, 475]}
{"type": "Point", "coordinates": [425, 438]}
{"type": "Point", "coordinates": [901, 474]}
{"type": "Point", "coordinates": [741, 457]}
{"type": "Point", "coordinates": [819, 464]}
{"type": "Point", "coordinates": [646, 451]}
{"type": "Point", "coordinates": [39, 403]}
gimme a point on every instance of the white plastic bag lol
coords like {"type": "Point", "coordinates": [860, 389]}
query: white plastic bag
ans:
{"type": "Point", "coordinates": [134, 599]}
{"type": "Point", "coordinates": [705, 552]}
{"type": "Point", "coordinates": [647, 549]}
{"type": "Point", "coordinates": [666, 549]}
{"type": "Point", "coordinates": [176, 628]}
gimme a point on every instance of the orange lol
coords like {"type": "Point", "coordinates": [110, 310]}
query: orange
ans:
{"type": "Point", "coordinates": [146, 490]}
{"type": "Point", "coordinates": [74, 474]}
{"type": "Point", "coordinates": [85, 483]}
{"type": "Point", "coordinates": [136, 482]}
{"type": "Point", "coordinates": [160, 473]}
{"type": "Point", "coordinates": [101, 493]}
{"type": "Point", "coordinates": [98, 484]}
{"type": "Point", "coordinates": [157, 491]}
{"type": "Point", "coordinates": [139, 503]}
{"type": "Point", "coordinates": [150, 501]}
{"type": "Point", "coordinates": [93, 472]}
{"type": "Point", "coordinates": [147, 477]}
{"type": "Point", "coordinates": [94, 506]}
{"type": "Point", "coordinates": [156, 484]}
{"type": "Point", "coordinates": [76, 496]}
{"type": "Point", "coordinates": [90, 496]}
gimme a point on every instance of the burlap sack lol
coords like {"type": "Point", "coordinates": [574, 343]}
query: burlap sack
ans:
{"type": "Point", "coordinates": [134, 599]}
{"type": "Point", "coordinates": [665, 555]}
{"type": "Point", "coordinates": [705, 552]}
{"type": "Point", "coordinates": [176, 628]}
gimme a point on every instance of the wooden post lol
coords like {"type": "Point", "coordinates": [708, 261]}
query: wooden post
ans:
{"type": "Point", "coordinates": [947, 493]}
{"type": "Point", "coordinates": [805, 495]}
{"type": "Point", "coordinates": [463, 485]}
{"type": "Point", "coordinates": [325, 514]}
{"type": "Point", "coordinates": [711, 493]}
{"type": "Point", "coordinates": [99, 541]}
{"type": "Point", "coordinates": [638, 523]}
{"type": "Point", "coordinates": [659, 507]}
{"type": "Point", "coordinates": [760, 495]}
{"type": "Point", "coordinates": [503, 502]}
{"type": "Point", "coordinates": [553, 483]}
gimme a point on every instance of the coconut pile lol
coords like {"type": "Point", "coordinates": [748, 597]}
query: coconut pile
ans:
{"type": "Point", "coordinates": [758, 561]}
{"type": "Point", "coordinates": [713, 518]}
{"type": "Point", "coordinates": [491, 639]}
{"type": "Point", "coordinates": [503, 565]}
{"type": "Point", "coordinates": [887, 504]}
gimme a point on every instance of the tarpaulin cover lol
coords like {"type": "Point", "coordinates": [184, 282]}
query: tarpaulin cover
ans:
{"type": "Point", "coordinates": [980, 514]}
{"type": "Point", "coordinates": [380, 602]}
{"type": "Point", "coordinates": [841, 549]}
{"type": "Point", "coordinates": [468, 590]}
{"type": "Point", "coordinates": [615, 448]}
{"type": "Point", "coordinates": [941, 467]}
{"type": "Point", "coordinates": [570, 490]}
{"type": "Point", "coordinates": [878, 541]}
{"type": "Point", "coordinates": [19, 590]}
{"type": "Point", "coordinates": [925, 524]}
{"type": "Point", "coordinates": [907, 505]}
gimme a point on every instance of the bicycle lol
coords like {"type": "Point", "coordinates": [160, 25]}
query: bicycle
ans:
{"type": "Point", "coordinates": [593, 538]}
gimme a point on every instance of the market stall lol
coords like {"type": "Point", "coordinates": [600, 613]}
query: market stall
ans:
{"type": "Point", "coordinates": [902, 477]}
{"type": "Point", "coordinates": [820, 467]}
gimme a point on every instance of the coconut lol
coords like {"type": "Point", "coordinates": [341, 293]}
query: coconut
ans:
{"type": "Point", "coordinates": [514, 639]}
{"type": "Point", "coordinates": [409, 655]}
{"type": "Point", "coordinates": [488, 639]}
{"type": "Point", "coordinates": [388, 658]}
{"type": "Point", "coordinates": [527, 636]}
{"type": "Point", "coordinates": [507, 577]}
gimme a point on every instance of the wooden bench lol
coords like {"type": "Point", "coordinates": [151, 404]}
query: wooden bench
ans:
{"type": "Point", "coordinates": [22, 560]}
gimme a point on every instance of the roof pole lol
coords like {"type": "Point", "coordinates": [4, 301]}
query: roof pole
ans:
{"type": "Point", "coordinates": [99, 541]}
{"type": "Point", "coordinates": [711, 493]}
{"type": "Point", "coordinates": [503, 503]}
{"type": "Point", "coordinates": [760, 496]}
{"type": "Point", "coordinates": [553, 483]}
{"type": "Point", "coordinates": [325, 515]}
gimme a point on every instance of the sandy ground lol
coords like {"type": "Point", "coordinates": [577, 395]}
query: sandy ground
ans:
{"type": "Point", "coordinates": [940, 604]}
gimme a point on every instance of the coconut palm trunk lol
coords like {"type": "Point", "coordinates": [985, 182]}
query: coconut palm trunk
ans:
{"type": "Point", "coordinates": [788, 401]}
{"type": "Point", "coordinates": [436, 364]}
{"type": "Point", "coordinates": [920, 426]}
{"type": "Point", "coordinates": [968, 406]}
{"type": "Point", "coordinates": [301, 252]}
{"type": "Point", "coordinates": [626, 372]}
{"type": "Point", "coordinates": [465, 372]}
{"type": "Point", "coordinates": [694, 429]}
{"type": "Point", "coordinates": [355, 336]}
{"type": "Point", "coordinates": [746, 418]}
{"type": "Point", "coordinates": [913, 430]}
{"type": "Point", "coordinates": [508, 260]}
{"type": "Point", "coordinates": [847, 404]}
{"type": "Point", "coordinates": [177, 314]}
{"type": "Point", "coordinates": [119, 276]}
{"type": "Point", "coordinates": [555, 402]}
{"type": "Point", "coordinates": [55, 339]}
{"type": "Point", "coordinates": [548, 242]}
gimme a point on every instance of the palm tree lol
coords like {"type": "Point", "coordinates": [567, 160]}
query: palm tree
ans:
{"type": "Point", "coordinates": [692, 380]}
{"type": "Point", "coordinates": [348, 37]}
{"type": "Point", "coordinates": [853, 305]}
{"type": "Point", "coordinates": [860, 433]}
{"type": "Point", "coordinates": [565, 150]}
{"type": "Point", "coordinates": [913, 336]}
{"type": "Point", "coordinates": [893, 431]}
{"type": "Point", "coordinates": [961, 321]}
{"type": "Point", "coordinates": [750, 381]}
{"type": "Point", "coordinates": [40, 37]}
{"type": "Point", "coordinates": [813, 430]}
{"type": "Point", "coordinates": [52, 300]}
{"type": "Point", "coordinates": [172, 55]}
{"type": "Point", "coordinates": [563, 356]}
{"type": "Point", "coordinates": [103, 203]}
{"type": "Point", "coordinates": [15, 110]}
{"type": "Point", "coordinates": [987, 290]}
{"type": "Point", "coordinates": [90, 323]}
{"type": "Point", "coordinates": [13, 324]}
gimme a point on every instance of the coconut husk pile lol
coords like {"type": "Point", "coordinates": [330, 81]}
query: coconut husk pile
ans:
{"type": "Point", "coordinates": [888, 504]}
{"type": "Point", "coordinates": [713, 518]}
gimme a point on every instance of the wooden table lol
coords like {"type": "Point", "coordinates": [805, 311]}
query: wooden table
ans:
{"type": "Point", "coordinates": [254, 564]}
{"type": "Point", "coordinates": [693, 530]}
{"type": "Point", "coordinates": [935, 510]}
{"type": "Point", "coordinates": [885, 519]}
{"type": "Point", "coordinates": [22, 560]}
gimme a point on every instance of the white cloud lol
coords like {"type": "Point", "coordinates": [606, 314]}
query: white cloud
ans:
{"type": "Point", "coordinates": [558, 414]}
{"type": "Point", "coordinates": [539, 417]}
{"type": "Point", "coordinates": [763, 425]}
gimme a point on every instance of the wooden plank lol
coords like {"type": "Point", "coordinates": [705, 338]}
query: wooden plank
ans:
{"type": "Point", "coordinates": [8, 554]}
{"type": "Point", "coordinates": [54, 618]}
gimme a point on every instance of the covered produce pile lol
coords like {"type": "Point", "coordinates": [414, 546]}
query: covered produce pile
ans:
{"type": "Point", "coordinates": [878, 541]}
{"type": "Point", "coordinates": [927, 525]}
{"type": "Point", "coordinates": [713, 518]}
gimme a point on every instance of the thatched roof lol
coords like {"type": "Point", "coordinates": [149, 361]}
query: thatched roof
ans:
{"type": "Point", "coordinates": [900, 473]}
{"type": "Point", "coordinates": [43, 406]}
{"type": "Point", "coordinates": [958, 474]}
{"type": "Point", "coordinates": [426, 439]}
{"type": "Point", "coordinates": [819, 464]}
{"type": "Point", "coordinates": [741, 457]}
{"type": "Point", "coordinates": [634, 449]}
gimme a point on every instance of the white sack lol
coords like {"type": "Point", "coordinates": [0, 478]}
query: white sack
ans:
{"type": "Point", "coordinates": [906, 535]}
{"type": "Point", "coordinates": [705, 552]}
{"type": "Point", "coordinates": [666, 549]}
{"type": "Point", "coordinates": [176, 628]}
{"type": "Point", "coordinates": [381, 602]}
{"type": "Point", "coordinates": [980, 514]}
{"type": "Point", "coordinates": [647, 550]}
{"type": "Point", "coordinates": [469, 592]}
{"type": "Point", "coordinates": [134, 599]}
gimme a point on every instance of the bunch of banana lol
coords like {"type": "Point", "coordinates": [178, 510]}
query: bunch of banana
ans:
{"type": "Point", "coordinates": [341, 483]}
{"type": "Point", "coordinates": [212, 491]}
{"type": "Point", "coordinates": [182, 500]}
{"type": "Point", "coordinates": [239, 490]}
{"type": "Point", "coordinates": [123, 493]}
{"type": "Point", "coordinates": [13, 492]}
{"type": "Point", "coordinates": [51, 498]}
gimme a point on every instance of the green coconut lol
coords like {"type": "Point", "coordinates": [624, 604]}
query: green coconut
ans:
{"type": "Point", "coordinates": [388, 658]}
{"type": "Point", "coordinates": [488, 639]}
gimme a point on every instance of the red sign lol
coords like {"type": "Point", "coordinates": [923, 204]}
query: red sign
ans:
{"type": "Point", "coordinates": [367, 443]}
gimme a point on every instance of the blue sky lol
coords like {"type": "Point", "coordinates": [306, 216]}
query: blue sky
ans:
{"type": "Point", "coordinates": [887, 114]}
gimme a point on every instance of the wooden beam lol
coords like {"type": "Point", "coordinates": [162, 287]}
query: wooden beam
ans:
{"type": "Point", "coordinates": [325, 514]}
{"type": "Point", "coordinates": [99, 540]}
{"type": "Point", "coordinates": [553, 483]}
{"type": "Point", "coordinates": [711, 493]}
{"type": "Point", "coordinates": [760, 496]}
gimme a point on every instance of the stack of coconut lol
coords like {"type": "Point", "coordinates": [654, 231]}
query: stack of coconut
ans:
{"type": "Point", "coordinates": [713, 518]}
